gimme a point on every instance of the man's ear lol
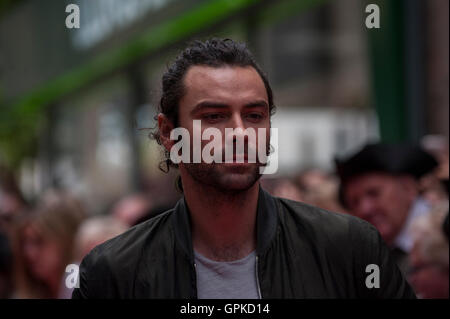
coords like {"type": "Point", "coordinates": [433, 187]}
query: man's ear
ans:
{"type": "Point", "coordinates": [165, 126]}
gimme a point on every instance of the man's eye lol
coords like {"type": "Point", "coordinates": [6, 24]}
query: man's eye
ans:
{"type": "Point", "coordinates": [373, 193]}
{"type": "Point", "coordinates": [213, 117]}
{"type": "Point", "coordinates": [254, 117]}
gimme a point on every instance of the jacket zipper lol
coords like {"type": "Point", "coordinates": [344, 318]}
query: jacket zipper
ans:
{"type": "Point", "coordinates": [195, 284]}
{"type": "Point", "coordinates": [257, 278]}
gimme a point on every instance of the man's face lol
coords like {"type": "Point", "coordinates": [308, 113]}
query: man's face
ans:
{"type": "Point", "coordinates": [381, 199]}
{"type": "Point", "coordinates": [224, 97]}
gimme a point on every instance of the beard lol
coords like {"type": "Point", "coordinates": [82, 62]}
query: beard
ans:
{"type": "Point", "coordinates": [226, 178]}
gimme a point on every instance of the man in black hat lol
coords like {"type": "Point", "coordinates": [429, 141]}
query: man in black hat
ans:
{"type": "Point", "coordinates": [380, 185]}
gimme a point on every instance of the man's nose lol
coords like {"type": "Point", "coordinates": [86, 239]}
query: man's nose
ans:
{"type": "Point", "coordinates": [236, 121]}
{"type": "Point", "coordinates": [366, 208]}
{"type": "Point", "coordinates": [237, 125]}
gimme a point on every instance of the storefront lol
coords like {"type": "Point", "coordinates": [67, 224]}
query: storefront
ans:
{"type": "Point", "coordinates": [94, 90]}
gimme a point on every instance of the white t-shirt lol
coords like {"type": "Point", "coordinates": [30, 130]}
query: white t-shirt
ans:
{"type": "Point", "coordinates": [226, 280]}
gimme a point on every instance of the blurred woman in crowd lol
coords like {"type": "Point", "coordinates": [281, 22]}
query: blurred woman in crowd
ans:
{"type": "Point", "coordinates": [429, 258]}
{"type": "Point", "coordinates": [12, 202]}
{"type": "Point", "coordinates": [319, 189]}
{"type": "Point", "coordinates": [312, 186]}
{"type": "Point", "coordinates": [43, 244]}
{"type": "Point", "coordinates": [93, 231]}
{"type": "Point", "coordinates": [434, 186]}
{"type": "Point", "coordinates": [282, 187]}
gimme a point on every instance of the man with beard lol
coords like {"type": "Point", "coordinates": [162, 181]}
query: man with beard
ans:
{"type": "Point", "coordinates": [227, 237]}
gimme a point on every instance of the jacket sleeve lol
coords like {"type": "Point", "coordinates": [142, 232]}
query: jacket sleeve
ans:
{"type": "Point", "coordinates": [377, 273]}
{"type": "Point", "coordinates": [95, 279]}
{"type": "Point", "coordinates": [82, 291]}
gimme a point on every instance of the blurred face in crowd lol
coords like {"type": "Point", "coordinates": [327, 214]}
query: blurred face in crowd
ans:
{"type": "Point", "coordinates": [430, 282]}
{"type": "Point", "coordinates": [429, 279]}
{"type": "Point", "coordinates": [42, 254]}
{"type": "Point", "coordinates": [383, 200]}
{"type": "Point", "coordinates": [223, 97]}
{"type": "Point", "coordinates": [130, 209]}
{"type": "Point", "coordinates": [9, 204]}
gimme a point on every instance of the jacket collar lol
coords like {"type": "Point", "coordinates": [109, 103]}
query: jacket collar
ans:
{"type": "Point", "coordinates": [266, 224]}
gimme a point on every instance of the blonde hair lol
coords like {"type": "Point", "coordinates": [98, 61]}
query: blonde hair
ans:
{"type": "Point", "coordinates": [94, 231]}
{"type": "Point", "coordinates": [429, 237]}
{"type": "Point", "coordinates": [57, 216]}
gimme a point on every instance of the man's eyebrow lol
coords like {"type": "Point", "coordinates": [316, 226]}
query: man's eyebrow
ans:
{"type": "Point", "coordinates": [209, 104]}
{"type": "Point", "coordinates": [257, 103]}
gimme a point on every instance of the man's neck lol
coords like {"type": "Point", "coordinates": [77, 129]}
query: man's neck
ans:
{"type": "Point", "coordinates": [223, 224]}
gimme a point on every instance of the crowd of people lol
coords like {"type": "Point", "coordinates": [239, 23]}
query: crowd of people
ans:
{"type": "Point", "coordinates": [401, 190]}
{"type": "Point", "coordinates": [38, 242]}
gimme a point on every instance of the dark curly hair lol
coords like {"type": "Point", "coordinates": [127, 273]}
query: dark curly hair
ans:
{"type": "Point", "coordinates": [214, 53]}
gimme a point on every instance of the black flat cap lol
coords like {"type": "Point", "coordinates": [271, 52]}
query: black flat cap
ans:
{"type": "Point", "coordinates": [396, 159]}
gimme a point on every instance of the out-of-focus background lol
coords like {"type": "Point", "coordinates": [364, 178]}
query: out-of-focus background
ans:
{"type": "Point", "coordinates": [77, 106]}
